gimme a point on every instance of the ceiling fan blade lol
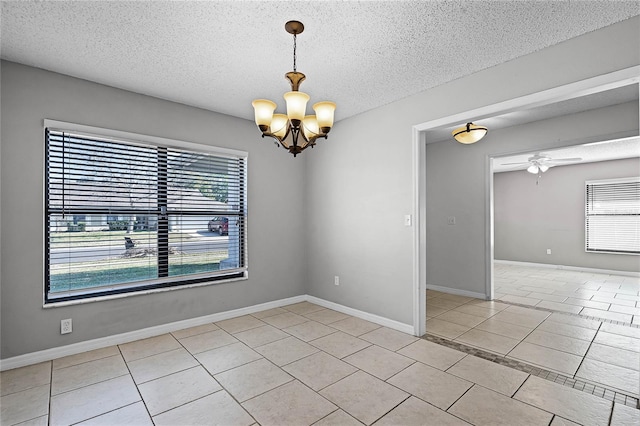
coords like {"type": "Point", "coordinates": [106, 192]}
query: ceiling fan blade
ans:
{"type": "Point", "coordinates": [564, 160]}
{"type": "Point", "coordinates": [515, 164]}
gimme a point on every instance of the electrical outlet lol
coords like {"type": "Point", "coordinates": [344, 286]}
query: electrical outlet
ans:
{"type": "Point", "coordinates": [66, 326]}
{"type": "Point", "coordinates": [336, 280]}
{"type": "Point", "coordinates": [451, 220]}
{"type": "Point", "coordinates": [548, 251]}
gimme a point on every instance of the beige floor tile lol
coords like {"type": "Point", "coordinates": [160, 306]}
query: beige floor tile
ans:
{"type": "Point", "coordinates": [169, 392]}
{"type": "Point", "coordinates": [193, 331]}
{"type": "Point", "coordinates": [477, 310]}
{"type": "Point", "coordinates": [414, 412]}
{"type": "Point", "coordinates": [431, 385]}
{"type": "Point", "coordinates": [287, 350]}
{"type": "Point", "coordinates": [227, 357]}
{"type": "Point", "coordinates": [587, 303]}
{"type": "Point", "coordinates": [88, 373]}
{"type": "Point", "coordinates": [238, 324]}
{"type": "Point", "coordinates": [80, 358]}
{"type": "Point", "coordinates": [432, 354]}
{"type": "Point", "coordinates": [522, 300]}
{"type": "Point", "coordinates": [615, 316]}
{"type": "Point", "coordinates": [564, 401]}
{"type": "Point", "coordinates": [388, 338]}
{"type": "Point", "coordinates": [38, 421]}
{"type": "Point", "coordinates": [517, 319]}
{"type": "Point", "coordinates": [162, 364]}
{"type": "Point", "coordinates": [445, 329]}
{"type": "Point", "coordinates": [94, 400]}
{"type": "Point", "coordinates": [309, 330]}
{"type": "Point", "coordinates": [562, 307]}
{"type": "Point", "coordinates": [482, 406]}
{"type": "Point", "coordinates": [379, 362]}
{"type": "Point", "coordinates": [354, 326]}
{"type": "Point", "coordinates": [269, 313]}
{"type": "Point", "coordinates": [434, 311]}
{"type": "Point", "coordinates": [573, 320]}
{"type": "Point", "coordinates": [559, 421]}
{"type": "Point", "coordinates": [615, 356]}
{"type": "Point", "coordinates": [260, 336]}
{"type": "Point", "coordinates": [443, 303]}
{"type": "Point", "coordinates": [319, 370]}
{"type": "Point", "coordinates": [559, 342]}
{"type": "Point", "coordinates": [489, 374]}
{"type": "Point", "coordinates": [625, 309]}
{"type": "Point", "coordinates": [23, 378]}
{"type": "Point", "coordinates": [24, 405]}
{"type": "Point", "coordinates": [621, 330]}
{"type": "Point", "coordinates": [288, 319]}
{"type": "Point", "coordinates": [506, 329]}
{"type": "Point", "coordinates": [147, 347]}
{"type": "Point", "coordinates": [456, 298]}
{"type": "Point", "coordinates": [252, 379]}
{"type": "Point", "coordinates": [551, 359]}
{"type": "Point", "coordinates": [624, 415]}
{"type": "Point", "coordinates": [207, 341]}
{"type": "Point", "coordinates": [586, 334]}
{"type": "Point", "coordinates": [611, 375]}
{"type": "Point", "coordinates": [489, 341]}
{"type": "Point", "coordinates": [303, 308]}
{"type": "Point", "coordinates": [218, 408]}
{"type": "Point", "coordinates": [609, 298]}
{"type": "Point", "coordinates": [489, 304]}
{"type": "Point", "coordinates": [528, 312]}
{"type": "Point", "coordinates": [364, 397]}
{"type": "Point", "coordinates": [326, 316]}
{"type": "Point", "coordinates": [618, 341]}
{"type": "Point", "coordinates": [303, 406]}
{"type": "Point", "coordinates": [338, 418]}
{"type": "Point", "coordinates": [134, 414]}
{"type": "Point", "coordinates": [340, 344]}
{"type": "Point", "coordinates": [461, 318]}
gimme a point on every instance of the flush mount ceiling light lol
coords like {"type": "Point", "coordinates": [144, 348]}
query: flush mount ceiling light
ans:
{"type": "Point", "coordinates": [294, 131]}
{"type": "Point", "coordinates": [470, 133]}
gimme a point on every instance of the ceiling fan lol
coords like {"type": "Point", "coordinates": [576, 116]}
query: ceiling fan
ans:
{"type": "Point", "coordinates": [540, 163]}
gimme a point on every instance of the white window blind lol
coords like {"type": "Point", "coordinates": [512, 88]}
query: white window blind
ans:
{"type": "Point", "coordinates": [123, 216]}
{"type": "Point", "coordinates": [613, 215]}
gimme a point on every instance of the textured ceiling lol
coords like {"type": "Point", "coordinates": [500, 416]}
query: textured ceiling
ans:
{"type": "Point", "coordinates": [220, 55]}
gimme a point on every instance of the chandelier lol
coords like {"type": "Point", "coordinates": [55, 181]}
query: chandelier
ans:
{"type": "Point", "coordinates": [294, 131]}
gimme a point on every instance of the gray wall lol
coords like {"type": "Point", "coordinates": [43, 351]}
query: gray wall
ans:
{"type": "Point", "coordinates": [361, 183]}
{"type": "Point", "coordinates": [530, 218]}
{"type": "Point", "coordinates": [29, 96]}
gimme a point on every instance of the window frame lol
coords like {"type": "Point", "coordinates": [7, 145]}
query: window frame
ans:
{"type": "Point", "coordinates": [603, 182]}
{"type": "Point", "coordinates": [159, 284]}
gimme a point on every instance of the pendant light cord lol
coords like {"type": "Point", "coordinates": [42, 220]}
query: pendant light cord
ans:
{"type": "Point", "coordinates": [294, 53]}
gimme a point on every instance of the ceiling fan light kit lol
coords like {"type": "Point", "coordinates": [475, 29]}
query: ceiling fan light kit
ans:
{"type": "Point", "coordinates": [469, 133]}
{"type": "Point", "coordinates": [295, 131]}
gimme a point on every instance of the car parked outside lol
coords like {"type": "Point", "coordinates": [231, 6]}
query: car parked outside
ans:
{"type": "Point", "coordinates": [219, 225]}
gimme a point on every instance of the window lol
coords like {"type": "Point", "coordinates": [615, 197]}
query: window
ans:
{"type": "Point", "coordinates": [613, 215]}
{"type": "Point", "coordinates": [125, 216]}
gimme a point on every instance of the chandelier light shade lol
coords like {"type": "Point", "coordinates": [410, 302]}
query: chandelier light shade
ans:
{"type": "Point", "coordinates": [469, 133]}
{"type": "Point", "coordinates": [295, 130]}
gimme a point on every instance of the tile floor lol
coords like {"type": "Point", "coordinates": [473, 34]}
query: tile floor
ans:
{"type": "Point", "coordinates": [303, 364]}
{"type": "Point", "coordinates": [614, 297]}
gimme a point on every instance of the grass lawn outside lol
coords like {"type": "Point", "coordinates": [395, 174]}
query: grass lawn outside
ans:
{"type": "Point", "coordinates": [82, 275]}
{"type": "Point", "coordinates": [110, 238]}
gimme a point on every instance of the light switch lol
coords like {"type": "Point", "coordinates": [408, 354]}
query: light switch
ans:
{"type": "Point", "coordinates": [451, 220]}
{"type": "Point", "coordinates": [407, 220]}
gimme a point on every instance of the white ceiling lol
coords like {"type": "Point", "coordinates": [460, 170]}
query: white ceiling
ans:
{"type": "Point", "coordinates": [220, 55]}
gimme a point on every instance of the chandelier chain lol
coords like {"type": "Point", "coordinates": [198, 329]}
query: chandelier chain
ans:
{"type": "Point", "coordinates": [294, 53]}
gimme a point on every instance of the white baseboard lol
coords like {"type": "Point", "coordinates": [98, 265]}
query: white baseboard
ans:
{"type": "Point", "coordinates": [456, 291]}
{"type": "Point", "coordinates": [400, 326]}
{"type": "Point", "coordinates": [569, 268]}
{"type": "Point", "coordinates": [118, 339]}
